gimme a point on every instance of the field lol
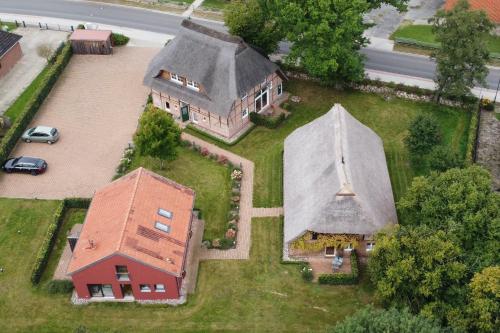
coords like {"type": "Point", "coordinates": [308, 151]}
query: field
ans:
{"type": "Point", "coordinates": [215, 4]}
{"type": "Point", "coordinates": [210, 181]}
{"type": "Point", "coordinates": [389, 119]}
{"type": "Point", "coordinates": [256, 295]}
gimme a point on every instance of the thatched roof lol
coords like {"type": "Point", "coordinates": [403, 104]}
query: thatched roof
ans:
{"type": "Point", "coordinates": [224, 65]}
{"type": "Point", "coordinates": [336, 178]}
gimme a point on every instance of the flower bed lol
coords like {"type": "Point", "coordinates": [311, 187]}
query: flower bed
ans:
{"type": "Point", "coordinates": [228, 240]}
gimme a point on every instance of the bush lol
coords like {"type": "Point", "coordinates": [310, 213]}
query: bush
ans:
{"type": "Point", "coordinates": [59, 286]}
{"type": "Point", "coordinates": [471, 140]}
{"type": "Point", "coordinates": [343, 278]}
{"type": "Point", "coordinates": [487, 104]}
{"type": "Point", "coordinates": [424, 134]}
{"type": "Point", "coordinates": [306, 271]}
{"type": "Point", "coordinates": [268, 122]}
{"type": "Point", "coordinates": [55, 67]}
{"type": "Point", "coordinates": [443, 158]}
{"type": "Point", "coordinates": [226, 243]}
{"type": "Point", "coordinates": [119, 39]}
{"type": "Point", "coordinates": [206, 136]}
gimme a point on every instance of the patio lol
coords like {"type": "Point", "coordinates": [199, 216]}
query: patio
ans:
{"type": "Point", "coordinates": [323, 265]}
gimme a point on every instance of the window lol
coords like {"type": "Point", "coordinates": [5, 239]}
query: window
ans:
{"type": "Point", "coordinates": [280, 89]}
{"type": "Point", "coordinates": [193, 85]}
{"type": "Point", "coordinates": [167, 106]}
{"type": "Point", "coordinates": [101, 290]}
{"type": "Point", "coordinates": [165, 213]}
{"type": "Point", "coordinates": [244, 113]}
{"type": "Point", "coordinates": [163, 227]}
{"type": "Point", "coordinates": [160, 288]}
{"type": "Point", "coordinates": [122, 273]}
{"type": "Point", "coordinates": [144, 288]}
{"type": "Point", "coordinates": [314, 236]}
{"type": "Point", "coordinates": [176, 78]}
{"type": "Point", "coordinates": [261, 100]}
{"type": "Point", "coordinates": [244, 97]}
{"type": "Point", "coordinates": [270, 85]}
{"type": "Point", "coordinates": [370, 246]}
{"type": "Point", "coordinates": [195, 117]}
{"type": "Point", "coordinates": [348, 247]}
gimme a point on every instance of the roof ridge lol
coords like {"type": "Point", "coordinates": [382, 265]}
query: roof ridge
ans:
{"type": "Point", "coordinates": [339, 119]}
{"type": "Point", "coordinates": [188, 24]}
{"type": "Point", "coordinates": [132, 199]}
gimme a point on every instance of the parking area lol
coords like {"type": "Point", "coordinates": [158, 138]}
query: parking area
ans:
{"type": "Point", "coordinates": [30, 64]}
{"type": "Point", "coordinates": [95, 105]}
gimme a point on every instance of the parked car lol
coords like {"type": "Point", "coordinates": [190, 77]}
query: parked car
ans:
{"type": "Point", "coordinates": [32, 165]}
{"type": "Point", "coordinates": [41, 134]}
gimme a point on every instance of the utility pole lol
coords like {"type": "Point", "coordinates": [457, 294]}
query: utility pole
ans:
{"type": "Point", "coordinates": [496, 93]}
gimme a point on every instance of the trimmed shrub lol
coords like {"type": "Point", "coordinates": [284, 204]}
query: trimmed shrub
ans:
{"type": "Point", "coordinates": [306, 272]}
{"type": "Point", "coordinates": [204, 135]}
{"type": "Point", "coordinates": [424, 134]}
{"type": "Point", "coordinates": [343, 278]}
{"type": "Point", "coordinates": [269, 122]}
{"type": "Point", "coordinates": [471, 139]}
{"type": "Point", "coordinates": [442, 158]}
{"type": "Point", "coordinates": [119, 39]}
{"type": "Point", "coordinates": [55, 67]}
{"type": "Point", "coordinates": [226, 243]}
{"type": "Point", "coordinates": [59, 287]}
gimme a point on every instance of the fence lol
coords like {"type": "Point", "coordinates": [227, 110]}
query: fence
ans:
{"type": "Point", "coordinates": [40, 25]}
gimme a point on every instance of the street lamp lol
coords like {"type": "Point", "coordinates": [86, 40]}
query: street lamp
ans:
{"type": "Point", "coordinates": [496, 93]}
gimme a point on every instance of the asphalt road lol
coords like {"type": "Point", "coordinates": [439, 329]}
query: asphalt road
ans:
{"type": "Point", "coordinates": [165, 23]}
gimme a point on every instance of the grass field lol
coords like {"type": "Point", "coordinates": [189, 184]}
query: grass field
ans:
{"type": "Point", "coordinates": [424, 33]}
{"type": "Point", "coordinates": [210, 180]}
{"type": "Point", "coordinates": [215, 4]}
{"type": "Point", "coordinates": [255, 295]}
{"type": "Point", "coordinates": [389, 119]}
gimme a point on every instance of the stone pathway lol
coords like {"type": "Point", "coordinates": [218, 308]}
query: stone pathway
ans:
{"type": "Point", "coordinates": [268, 212]}
{"type": "Point", "coordinates": [488, 149]}
{"type": "Point", "coordinates": [243, 240]}
{"type": "Point", "coordinates": [191, 8]}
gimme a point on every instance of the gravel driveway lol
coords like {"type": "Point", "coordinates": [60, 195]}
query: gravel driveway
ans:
{"type": "Point", "coordinates": [95, 105]}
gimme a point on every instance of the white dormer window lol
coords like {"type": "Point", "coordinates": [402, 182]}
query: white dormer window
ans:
{"type": "Point", "coordinates": [193, 85]}
{"type": "Point", "coordinates": [176, 78]}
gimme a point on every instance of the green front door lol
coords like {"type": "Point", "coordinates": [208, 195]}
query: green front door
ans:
{"type": "Point", "coordinates": [185, 112]}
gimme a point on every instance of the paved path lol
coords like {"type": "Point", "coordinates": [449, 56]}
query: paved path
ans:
{"type": "Point", "coordinates": [267, 212]}
{"type": "Point", "coordinates": [192, 7]}
{"type": "Point", "coordinates": [242, 250]}
{"type": "Point", "coordinates": [488, 149]}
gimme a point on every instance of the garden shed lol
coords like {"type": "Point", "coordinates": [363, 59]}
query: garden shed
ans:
{"type": "Point", "coordinates": [86, 41]}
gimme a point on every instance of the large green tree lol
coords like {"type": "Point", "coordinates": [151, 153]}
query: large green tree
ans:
{"type": "Point", "coordinates": [393, 320]}
{"type": "Point", "coordinates": [418, 268]}
{"type": "Point", "coordinates": [253, 21]}
{"type": "Point", "coordinates": [461, 203]}
{"type": "Point", "coordinates": [461, 60]}
{"type": "Point", "coordinates": [484, 300]}
{"type": "Point", "coordinates": [158, 135]}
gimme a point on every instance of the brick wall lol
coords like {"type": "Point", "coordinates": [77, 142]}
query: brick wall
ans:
{"type": "Point", "coordinates": [10, 58]}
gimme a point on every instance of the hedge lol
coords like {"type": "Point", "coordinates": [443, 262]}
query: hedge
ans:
{"type": "Point", "coordinates": [43, 254]}
{"type": "Point", "coordinates": [190, 129]}
{"type": "Point", "coordinates": [343, 278]}
{"type": "Point", "coordinates": [119, 39]}
{"type": "Point", "coordinates": [472, 138]}
{"type": "Point", "coordinates": [269, 122]}
{"type": "Point", "coordinates": [59, 286]}
{"type": "Point", "coordinates": [56, 66]}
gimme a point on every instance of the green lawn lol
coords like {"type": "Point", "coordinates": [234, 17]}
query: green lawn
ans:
{"type": "Point", "coordinates": [73, 216]}
{"type": "Point", "coordinates": [424, 33]}
{"type": "Point", "coordinates": [215, 4]}
{"type": "Point", "coordinates": [390, 119]}
{"type": "Point", "coordinates": [210, 180]}
{"type": "Point", "coordinates": [11, 26]}
{"type": "Point", "coordinates": [255, 295]}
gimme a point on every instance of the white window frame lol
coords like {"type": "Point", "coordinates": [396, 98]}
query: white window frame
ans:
{"type": "Point", "coordinates": [160, 290]}
{"type": "Point", "coordinates": [145, 288]}
{"type": "Point", "coordinates": [194, 117]}
{"type": "Point", "coordinates": [244, 97]}
{"type": "Point", "coordinates": [244, 113]}
{"type": "Point", "coordinates": [348, 247]}
{"type": "Point", "coordinates": [193, 85]}
{"type": "Point", "coordinates": [370, 246]}
{"type": "Point", "coordinates": [259, 95]}
{"type": "Point", "coordinates": [175, 78]}
{"type": "Point", "coordinates": [280, 89]}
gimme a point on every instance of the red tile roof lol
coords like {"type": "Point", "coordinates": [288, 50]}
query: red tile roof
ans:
{"type": "Point", "coordinates": [121, 220]}
{"type": "Point", "coordinates": [491, 7]}
{"type": "Point", "coordinates": [87, 34]}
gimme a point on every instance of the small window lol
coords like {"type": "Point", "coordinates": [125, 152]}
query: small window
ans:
{"type": "Point", "coordinates": [167, 106]}
{"type": "Point", "coordinates": [160, 288]}
{"type": "Point", "coordinates": [280, 89]}
{"type": "Point", "coordinates": [144, 288]}
{"type": "Point", "coordinates": [370, 246]}
{"type": "Point", "coordinates": [176, 78]}
{"type": "Point", "coordinates": [193, 85]}
{"type": "Point", "coordinates": [244, 97]}
{"type": "Point", "coordinates": [348, 247]}
{"type": "Point", "coordinates": [314, 236]}
{"type": "Point", "coordinates": [162, 227]}
{"type": "Point", "coordinates": [195, 117]}
{"type": "Point", "coordinates": [122, 273]}
{"type": "Point", "coordinates": [244, 113]}
{"type": "Point", "coordinates": [165, 213]}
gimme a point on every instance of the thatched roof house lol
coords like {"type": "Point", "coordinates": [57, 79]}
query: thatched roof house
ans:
{"type": "Point", "coordinates": [336, 179]}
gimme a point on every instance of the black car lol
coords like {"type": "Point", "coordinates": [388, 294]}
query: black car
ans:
{"type": "Point", "coordinates": [32, 165]}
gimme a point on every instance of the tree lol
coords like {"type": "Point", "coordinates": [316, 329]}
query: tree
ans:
{"type": "Point", "coordinates": [252, 20]}
{"type": "Point", "coordinates": [158, 135]}
{"type": "Point", "coordinates": [461, 203]}
{"type": "Point", "coordinates": [44, 51]}
{"type": "Point", "coordinates": [442, 158]}
{"type": "Point", "coordinates": [423, 134]}
{"type": "Point", "coordinates": [372, 320]}
{"type": "Point", "coordinates": [461, 60]}
{"type": "Point", "coordinates": [484, 300]}
{"type": "Point", "coordinates": [418, 268]}
{"type": "Point", "coordinates": [325, 37]}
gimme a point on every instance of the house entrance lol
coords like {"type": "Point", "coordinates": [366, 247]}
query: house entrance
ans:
{"type": "Point", "coordinates": [261, 99]}
{"type": "Point", "coordinates": [126, 290]}
{"type": "Point", "coordinates": [184, 111]}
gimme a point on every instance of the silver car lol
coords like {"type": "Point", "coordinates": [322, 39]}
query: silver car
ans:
{"type": "Point", "coordinates": [41, 134]}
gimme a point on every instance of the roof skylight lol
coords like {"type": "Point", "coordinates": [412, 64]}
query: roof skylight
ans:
{"type": "Point", "coordinates": [163, 227]}
{"type": "Point", "coordinates": [165, 213]}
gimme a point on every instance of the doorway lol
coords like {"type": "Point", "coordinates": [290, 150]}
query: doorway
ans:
{"type": "Point", "coordinates": [126, 290]}
{"type": "Point", "coordinates": [261, 99]}
{"type": "Point", "coordinates": [184, 111]}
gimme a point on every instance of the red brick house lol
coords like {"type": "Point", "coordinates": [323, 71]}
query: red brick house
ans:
{"type": "Point", "coordinates": [10, 51]}
{"type": "Point", "coordinates": [134, 241]}
{"type": "Point", "coordinates": [213, 80]}
{"type": "Point", "coordinates": [490, 7]}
